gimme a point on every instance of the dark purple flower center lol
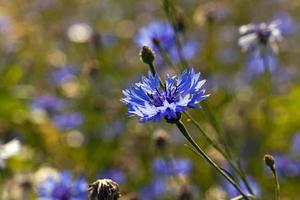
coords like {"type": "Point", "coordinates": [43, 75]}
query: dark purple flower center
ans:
{"type": "Point", "coordinates": [169, 94]}
{"type": "Point", "coordinates": [61, 192]}
{"type": "Point", "coordinates": [159, 96]}
{"type": "Point", "coordinates": [263, 33]}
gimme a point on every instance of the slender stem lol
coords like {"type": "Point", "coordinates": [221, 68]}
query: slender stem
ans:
{"type": "Point", "coordinates": [186, 134]}
{"type": "Point", "coordinates": [276, 185]}
{"type": "Point", "coordinates": [170, 13]}
{"type": "Point", "coordinates": [223, 153]}
{"type": "Point", "coordinates": [165, 55]}
{"type": "Point", "coordinates": [267, 75]}
{"type": "Point", "coordinates": [241, 197]}
{"type": "Point", "coordinates": [211, 116]}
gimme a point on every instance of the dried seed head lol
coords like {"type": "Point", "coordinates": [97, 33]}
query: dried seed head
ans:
{"type": "Point", "coordinates": [147, 55]}
{"type": "Point", "coordinates": [104, 189]}
{"type": "Point", "coordinates": [269, 161]}
{"type": "Point", "coordinates": [160, 138]}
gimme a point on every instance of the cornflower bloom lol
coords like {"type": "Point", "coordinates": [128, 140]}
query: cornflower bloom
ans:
{"type": "Point", "coordinates": [296, 143]}
{"type": "Point", "coordinates": [286, 166]}
{"type": "Point", "coordinates": [173, 167]}
{"type": "Point", "coordinates": [116, 174]}
{"type": "Point", "coordinates": [63, 188]}
{"type": "Point", "coordinates": [62, 75]}
{"type": "Point", "coordinates": [161, 33]}
{"type": "Point", "coordinates": [48, 103]}
{"type": "Point", "coordinates": [68, 120]}
{"type": "Point", "coordinates": [257, 37]}
{"type": "Point", "coordinates": [232, 192]}
{"type": "Point", "coordinates": [152, 102]}
{"type": "Point", "coordinates": [154, 190]}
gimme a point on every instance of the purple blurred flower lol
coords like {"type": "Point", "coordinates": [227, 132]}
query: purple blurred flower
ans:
{"type": "Point", "coordinates": [115, 174]}
{"type": "Point", "coordinates": [151, 102]}
{"type": "Point", "coordinates": [163, 32]}
{"type": "Point", "coordinates": [5, 24]}
{"type": "Point", "coordinates": [68, 121]}
{"type": "Point", "coordinates": [286, 24]}
{"type": "Point", "coordinates": [256, 64]}
{"type": "Point", "coordinates": [63, 188]}
{"type": "Point", "coordinates": [232, 192]}
{"type": "Point", "coordinates": [155, 190]}
{"type": "Point", "coordinates": [114, 129]}
{"type": "Point", "coordinates": [286, 166]}
{"type": "Point", "coordinates": [296, 143]}
{"type": "Point", "coordinates": [163, 167]}
{"type": "Point", "coordinates": [47, 102]}
{"type": "Point", "coordinates": [62, 75]}
{"type": "Point", "coordinates": [258, 37]}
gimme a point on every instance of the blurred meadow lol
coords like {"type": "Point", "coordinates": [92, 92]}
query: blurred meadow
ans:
{"type": "Point", "coordinates": [65, 63]}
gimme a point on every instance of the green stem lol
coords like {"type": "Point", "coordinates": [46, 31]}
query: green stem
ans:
{"type": "Point", "coordinates": [267, 76]}
{"type": "Point", "coordinates": [165, 55]}
{"type": "Point", "coordinates": [170, 13]}
{"type": "Point", "coordinates": [223, 153]}
{"type": "Point", "coordinates": [276, 185]}
{"type": "Point", "coordinates": [186, 134]}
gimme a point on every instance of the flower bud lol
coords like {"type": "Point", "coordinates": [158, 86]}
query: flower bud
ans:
{"type": "Point", "coordinates": [104, 189]}
{"type": "Point", "coordinates": [147, 55]}
{"type": "Point", "coordinates": [270, 162]}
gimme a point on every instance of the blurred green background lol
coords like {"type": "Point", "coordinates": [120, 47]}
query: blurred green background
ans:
{"type": "Point", "coordinates": [95, 41]}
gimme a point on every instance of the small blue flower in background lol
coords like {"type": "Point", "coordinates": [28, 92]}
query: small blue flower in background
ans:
{"type": "Point", "coordinates": [48, 103]}
{"type": "Point", "coordinates": [155, 190]}
{"type": "Point", "coordinates": [5, 24]}
{"type": "Point", "coordinates": [151, 102]}
{"type": "Point", "coordinates": [256, 65]}
{"type": "Point", "coordinates": [63, 188]}
{"type": "Point", "coordinates": [286, 24]}
{"type": "Point", "coordinates": [163, 167]}
{"type": "Point", "coordinates": [68, 120]}
{"type": "Point", "coordinates": [232, 192]}
{"type": "Point", "coordinates": [256, 37]}
{"type": "Point", "coordinates": [162, 32]}
{"type": "Point", "coordinates": [296, 144]}
{"type": "Point", "coordinates": [115, 174]}
{"type": "Point", "coordinates": [157, 30]}
{"type": "Point", "coordinates": [113, 130]}
{"type": "Point", "coordinates": [62, 75]}
{"type": "Point", "coordinates": [286, 166]}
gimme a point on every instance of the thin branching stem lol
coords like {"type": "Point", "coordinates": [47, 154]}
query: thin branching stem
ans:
{"type": "Point", "coordinates": [189, 138]}
{"type": "Point", "coordinates": [223, 153]}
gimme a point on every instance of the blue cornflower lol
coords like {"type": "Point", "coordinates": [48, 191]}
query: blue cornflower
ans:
{"type": "Point", "coordinates": [172, 167]}
{"type": "Point", "coordinates": [296, 143]}
{"type": "Point", "coordinates": [115, 174]}
{"type": "Point", "coordinates": [232, 192]}
{"type": "Point", "coordinates": [257, 37]}
{"type": "Point", "coordinates": [162, 32]}
{"type": "Point", "coordinates": [62, 75]}
{"type": "Point", "coordinates": [152, 102]}
{"type": "Point", "coordinates": [155, 190]}
{"type": "Point", "coordinates": [68, 120]}
{"type": "Point", "coordinates": [47, 102]}
{"type": "Point", "coordinates": [63, 188]}
{"type": "Point", "coordinates": [287, 166]}
{"type": "Point", "coordinates": [286, 23]}
{"type": "Point", "coordinates": [256, 64]}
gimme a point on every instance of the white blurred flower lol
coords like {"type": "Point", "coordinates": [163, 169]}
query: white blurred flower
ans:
{"type": "Point", "coordinates": [79, 32]}
{"type": "Point", "coordinates": [8, 150]}
{"type": "Point", "coordinates": [258, 36]}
